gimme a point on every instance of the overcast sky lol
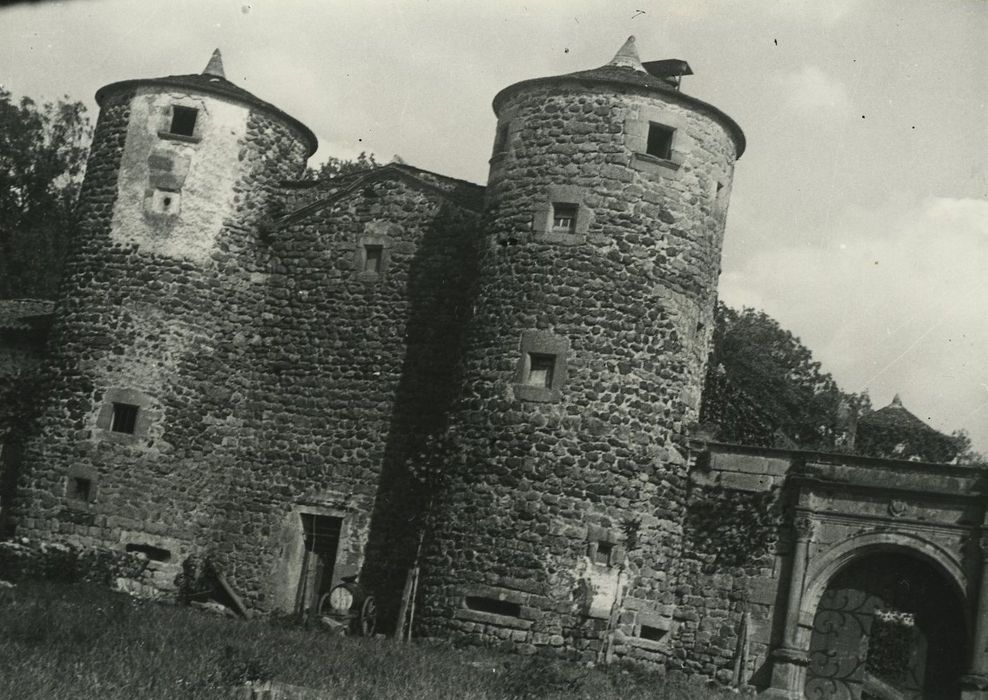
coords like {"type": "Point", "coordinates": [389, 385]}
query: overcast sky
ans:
{"type": "Point", "coordinates": [859, 215]}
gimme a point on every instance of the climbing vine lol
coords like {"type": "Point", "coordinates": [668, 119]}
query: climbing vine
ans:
{"type": "Point", "coordinates": [729, 528]}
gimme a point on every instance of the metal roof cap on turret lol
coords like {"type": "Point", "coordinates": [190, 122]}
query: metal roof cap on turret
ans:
{"type": "Point", "coordinates": [213, 81]}
{"type": "Point", "coordinates": [626, 69]}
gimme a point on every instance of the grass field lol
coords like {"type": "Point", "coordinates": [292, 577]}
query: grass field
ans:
{"type": "Point", "coordinates": [76, 641]}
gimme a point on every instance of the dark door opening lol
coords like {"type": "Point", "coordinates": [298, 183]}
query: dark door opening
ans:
{"type": "Point", "coordinates": [322, 540]}
{"type": "Point", "coordinates": [889, 625]}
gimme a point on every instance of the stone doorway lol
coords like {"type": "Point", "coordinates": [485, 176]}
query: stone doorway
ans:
{"type": "Point", "coordinates": [321, 534]}
{"type": "Point", "coordinates": [889, 626]}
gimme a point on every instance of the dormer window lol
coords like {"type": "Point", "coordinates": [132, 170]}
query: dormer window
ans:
{"type": "Point", "coordinates": [564, 217]}
{"type": "Point", "coordinates": [183, 121]}
{"type": "Point", "coordinates": [659, 141]}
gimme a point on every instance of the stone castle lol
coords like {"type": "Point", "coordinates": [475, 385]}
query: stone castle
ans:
{"type": "Point", "coordinates": [394, 369]}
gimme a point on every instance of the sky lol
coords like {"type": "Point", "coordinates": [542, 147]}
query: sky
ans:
{"type": "Point", "coordinates": [859, 212]}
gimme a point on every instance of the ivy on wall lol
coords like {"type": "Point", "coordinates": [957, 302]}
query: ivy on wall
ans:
{"type": "Point", "coordinates": [728, 528]}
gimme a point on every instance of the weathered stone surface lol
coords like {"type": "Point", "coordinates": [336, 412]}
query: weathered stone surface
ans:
{"type": "Point", "coordinates": [630, 298]}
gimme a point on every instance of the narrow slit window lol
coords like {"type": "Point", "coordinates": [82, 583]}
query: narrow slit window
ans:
{"type": "Point", "coordinates": [124, 418]}
{"type": "Point", "coordinates": [80, 489]}
{"type": "Point", "coordinates": [373, 257]}
{"type": "Point", "coordinates": [541, 368]}
{"type": "Point", "coordinates": [501, 140]}
{"type": "Point", "coordinates": [493, 606]}
{"type": "Point", "coordinates": [660, 141]}
{"type": "Point", "coordinates": [184, 121]}
{"type": "Point", "coordinates": [653, 634]}
{"type": "Point", "coordinates": [150, 551]}
{"type": "Point", "coordinates": [564, 218]}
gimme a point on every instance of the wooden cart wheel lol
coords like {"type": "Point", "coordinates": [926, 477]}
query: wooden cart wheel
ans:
{"type": "Point", "coordinates": [324, 608]}
{"type": "Point", "coordinates": [368, 617]}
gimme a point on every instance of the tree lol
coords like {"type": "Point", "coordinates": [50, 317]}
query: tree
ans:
{"type": "Point", "coordinates": [334, 167]}
{"type": "Point", "coordinates": [43, 152]}
{"type": "Point", "coordinates": [763, 387]}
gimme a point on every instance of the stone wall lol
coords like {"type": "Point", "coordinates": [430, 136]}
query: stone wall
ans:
{"type": "Point", "coordinates": [21, 365]}
{"type": "Point", "coordinates": [274, 379]}
{"type": "Point", "coordinates": [565, 497]}
{"type": "Point", "coordinates": [732, 576]}
{"type": "Point", "coordinates": [352, 371]}
{"type": "Point", "coordinates": [145, 323]}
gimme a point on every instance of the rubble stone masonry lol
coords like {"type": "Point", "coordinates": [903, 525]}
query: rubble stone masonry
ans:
{"type": "Point", "coordinates": [564, 514]}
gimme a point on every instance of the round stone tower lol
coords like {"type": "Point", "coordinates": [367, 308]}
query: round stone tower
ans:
{"type": "Point", "coordinates": [562, 521]}
{"type": "Point", "coordinates": [150, 383]}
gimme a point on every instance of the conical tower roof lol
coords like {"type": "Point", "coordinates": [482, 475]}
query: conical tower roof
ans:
{"type": "Point", "coordinates": [212, 81]}
{"type": "Point", "coordinates": [627, 56]}
{"type": "Point", "coordinates": [215, 65]}
{"type": "Point", "coordinates": [626, 71]}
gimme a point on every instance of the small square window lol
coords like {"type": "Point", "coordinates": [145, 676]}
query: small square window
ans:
{"type": "Point", "coordinates": [183, 121]}
{"type": "Point", "coordinates": [660, 141]}
{"type": "Point", "coordinates": [564, 217]}
{"type": "Point", "coordinates": [124, 418]}
{"type": "Point", "coordinates": [373, 257]}
{"type": "Point", "coordinates": [540, 370]}
{"type": "Point", "coordinates": [79, 489]}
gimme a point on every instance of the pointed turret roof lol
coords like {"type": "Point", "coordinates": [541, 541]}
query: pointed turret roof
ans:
{"type": "Point", "coordinates": [895, 432]}
{"type": "Point", "coordinates": [895, 415]}
{"type": "Point", "coordinates": [215, 65]}
{"type": "Point", "coordinates": [212, 81]}
{"type": "Point", "coordinates": [627, 56]}
{"type": "Point", "coordinates": [627, 71]}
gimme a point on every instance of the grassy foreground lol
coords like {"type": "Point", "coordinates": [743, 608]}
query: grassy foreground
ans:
{"type": "Point", "coordinates": [75, 641]}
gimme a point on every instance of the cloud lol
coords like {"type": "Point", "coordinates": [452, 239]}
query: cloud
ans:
{"type": "Point", "coordinates": [812, 93]}
{"type": "Point", "coordinates": [892, 299]}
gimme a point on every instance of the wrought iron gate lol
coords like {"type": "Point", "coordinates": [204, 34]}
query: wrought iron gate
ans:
{"type": "Point", "coordinates": [879, 631]}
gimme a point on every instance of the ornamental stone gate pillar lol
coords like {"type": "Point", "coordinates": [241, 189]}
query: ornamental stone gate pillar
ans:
{"type": "Point", "coordinates": [974, 684]}
{"type": "Point", "coordinates": [790, 660]}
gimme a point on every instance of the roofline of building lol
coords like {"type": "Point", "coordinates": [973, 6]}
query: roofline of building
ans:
{"type": "Point", "coordinates": [809, 456]}
{"type": "Point", "coordinates": [353, 182]}
{"type": "Point", "coordinates": [246, 98]}
{"type": "Point", "coordinates": [733, 128]}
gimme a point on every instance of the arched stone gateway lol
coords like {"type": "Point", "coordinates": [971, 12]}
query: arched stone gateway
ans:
{"type": "Point", "coordinates": [890, 624]}
{"type": "Point", "coordinates": [871, 581]}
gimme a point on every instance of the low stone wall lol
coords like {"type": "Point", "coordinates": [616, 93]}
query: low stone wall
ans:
{"type": "Point", "coordinates": [23, 559]}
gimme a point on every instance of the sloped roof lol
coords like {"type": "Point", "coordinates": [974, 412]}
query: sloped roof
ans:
{"type": "Point", "coordinates": [460, 192]}
{"type": "Point", "coordinates": [626, 70]}
{"type": "Point", "coordinates": [895, 416]}
{"type": "Point", "coordinates": [213, 83]}
{"type": "Point", "coordinates": [24, 314]}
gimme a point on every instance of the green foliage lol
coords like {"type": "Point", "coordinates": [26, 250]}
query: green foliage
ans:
{"type": "Point", "coordinates": [42, 157]}
{"type": "Point", "coordinates": [890, 647]}
{"type": "Point", "coordinates": [966, 454]}
{"type": "Point", "coordinates": [917, 442]}
{"type": "Point", "coordinates": [84, 642]}
{"type": "Point", "coordinates": [765, 388]}
{"type": "Point", "coordinates": [335, 167]}
{"type": "Point", "coordinates": [729, 528]}
{"type": "Point", "coordinates": [66, 564]}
